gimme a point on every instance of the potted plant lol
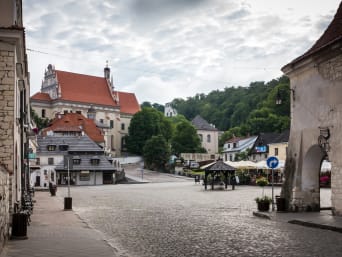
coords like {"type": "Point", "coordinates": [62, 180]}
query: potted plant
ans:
{"type": "Point", "coordinates": [264, 201]}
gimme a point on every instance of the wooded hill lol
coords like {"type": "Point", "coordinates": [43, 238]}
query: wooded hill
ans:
{"type": "Point", "coordinates": [242, 110]}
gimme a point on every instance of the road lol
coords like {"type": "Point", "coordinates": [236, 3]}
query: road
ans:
{"type": "Point", "coordinates": [178, 218]}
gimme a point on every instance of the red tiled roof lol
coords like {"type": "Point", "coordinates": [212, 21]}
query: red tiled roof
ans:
{"type": "Point", "coordinates": [92, 90]}
{"type": "Point", "coordinates": [72, 122]}
{"type": "Point", "coordinates": [128, 103]}
{"type": "Point", "coordinates": [84, 88]}
{"type": "Point", "coordinates": [41, 96]}
{"type": "Point", "coordinates": [331, 35]}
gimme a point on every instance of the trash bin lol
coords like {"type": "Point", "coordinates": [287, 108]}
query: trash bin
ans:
{"type": "Point", "coordinates": [67, 203]}
{"type": "Point", "coordinates": [280, 203]}
{"type": "Point", "coordinates": [19, 226]}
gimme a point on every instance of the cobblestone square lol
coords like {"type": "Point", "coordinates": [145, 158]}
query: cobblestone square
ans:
{"type": "Point", "coordinates": [178, 218]}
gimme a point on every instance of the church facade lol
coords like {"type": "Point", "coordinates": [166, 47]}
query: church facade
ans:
{"type": "Point", "coordinates": [94, 97]}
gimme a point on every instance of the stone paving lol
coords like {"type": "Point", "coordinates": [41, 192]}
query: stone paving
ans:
{"type": "Point", "coordinates": [181, 219]}
{"type": "Point", "coordinates": [173, 218]}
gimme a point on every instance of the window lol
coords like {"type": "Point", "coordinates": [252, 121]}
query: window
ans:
{"type": "Point", "coordinates": [76, 161]}
{"type": "Point", "coordinates": [101, 121]}
{"type": "Point", "coordinates": [50, 161]}
{"type": "Point", "coordinates": [234, 145]}
{"type": "Point", "coordinates": [231, 157]}
{"type": "Point", "coordinates": [208, 138]}
{"type": "Point", "coordinates": [95, 161]}
{"type": "Point", "coordinates": [52, 176]}
{"type": "Point", "coordinates": [228, 145]}
{"type": "Point", "coordinates": [276, 151]}
{"type": "Point", "coordinates": [85, 175]}
{"type": "Point", "coordinates": [38, 161]}
{"type": "Point", "coordinates": [111, 124]}
{"type": "Point", "coordinates": [51, 148]}
{"type": "Point", "coordinates": [45, 172]}
{"type": "Point", "coordinates": [265, 156]}
{"type": "Point", "coordinates": [66, 111]}
{"type": "Point", "coordinates": [43, 113]}
{"type": "Point", "coordinates": [122, 126]}
{"type": "Point", "coordinates": [201, 137]}
{"type": "Point", "coordinates": [63, 147]}
{"type": "Point", "coordinates": [78, 112]}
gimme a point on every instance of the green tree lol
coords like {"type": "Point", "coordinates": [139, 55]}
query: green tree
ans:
{"type": "Point", "coordinates": [185, 139]}
{"type": "Point", "coordinates": [40, 122]}
{"type": "Point", "coordinates": [147, 123]}
{"type": "Point", "coordinates": [156, 153]}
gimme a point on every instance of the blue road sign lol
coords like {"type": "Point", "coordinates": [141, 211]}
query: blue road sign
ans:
{"type": "Point", "coordinates": [272, 162]}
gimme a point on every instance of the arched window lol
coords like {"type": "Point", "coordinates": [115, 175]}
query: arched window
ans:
{"type": "Point", "coordinates": [208, 138]}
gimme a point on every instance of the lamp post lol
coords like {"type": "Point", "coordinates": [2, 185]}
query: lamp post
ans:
{"type": "Point", "coordinates": [68, 200]}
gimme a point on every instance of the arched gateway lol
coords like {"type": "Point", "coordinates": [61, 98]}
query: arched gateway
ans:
{"type": "Point", "coordinates": [316, 121]}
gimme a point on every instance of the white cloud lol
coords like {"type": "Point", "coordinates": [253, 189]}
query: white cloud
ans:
{"type": "Point", "coordinates": [163, 49]}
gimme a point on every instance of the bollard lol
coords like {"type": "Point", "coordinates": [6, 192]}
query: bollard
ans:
{"type": "Point", "coordinates": [67, 203]}
{"type": "Point", "coordinates": [19, 226]}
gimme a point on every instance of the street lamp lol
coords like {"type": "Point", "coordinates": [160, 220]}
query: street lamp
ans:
{"type": "Point", "coordinates": [279, 96]}
{"type": "Point", "coordinates": [68, 200]}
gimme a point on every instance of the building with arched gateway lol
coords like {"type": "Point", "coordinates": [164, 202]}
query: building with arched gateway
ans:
{"type": "Point", "coordinates": [316, 121]}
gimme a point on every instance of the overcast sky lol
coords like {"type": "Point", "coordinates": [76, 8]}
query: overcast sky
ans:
{"type": "Point", "coordinates": [166, 49]}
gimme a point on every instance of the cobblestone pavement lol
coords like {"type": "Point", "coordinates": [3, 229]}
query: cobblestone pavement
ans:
{"type": "Point", "coordinates": [181, 219]}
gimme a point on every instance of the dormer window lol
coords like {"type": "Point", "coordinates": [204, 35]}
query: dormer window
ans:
{"type": "Point", "coordinates": [95, 161]}
{"type": "Point", "coordinates": [63, 147]}
{"type": "Point", "coordinates": [234, 145]}
{"type": "Point", "coordinates": [51, 148]}
{"type": "Point", "coordinates": [76, 160]}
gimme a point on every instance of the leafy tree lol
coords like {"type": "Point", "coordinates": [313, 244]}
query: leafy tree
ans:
{"type": "Point", "coordinates": [147, 123]}
{"type": "Point", "coordinates": [159, 107]}
{"type": "Point", "coordinates": [185, 139]}
{"type": "Point", "coordinates": [40, 122]}
{"type": "Point", "coordinates": [146, 104]}
{"type": "Point", "coordinates": [156, 152]}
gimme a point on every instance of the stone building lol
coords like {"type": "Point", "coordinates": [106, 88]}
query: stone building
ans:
{"type": "Point", "coordinates": [14, 102]}
{"type": "Point", "coordinates": [208, 134]}
{"type": "Point", "coordinates": [94, 97]}
{"type": "Point", "coordinates": [316, 121]}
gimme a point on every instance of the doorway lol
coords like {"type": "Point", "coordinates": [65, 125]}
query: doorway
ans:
{"type": "Point", "coordinates": [311, 172]}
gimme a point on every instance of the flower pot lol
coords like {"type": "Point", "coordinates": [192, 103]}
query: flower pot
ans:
{"type": "Point", "coordinates": [263, 206]}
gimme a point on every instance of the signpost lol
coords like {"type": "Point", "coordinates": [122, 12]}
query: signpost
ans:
{"type": "Point", "coordinates": [272, 163]}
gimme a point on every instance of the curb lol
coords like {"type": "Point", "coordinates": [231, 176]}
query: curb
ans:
{"type": "Point", "coordinates": [315, 225]}
{"type": "Point", "coordinates": [261, 215]}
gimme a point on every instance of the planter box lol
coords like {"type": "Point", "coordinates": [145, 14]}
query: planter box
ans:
{"type": "Point", "coordinates": [263, 206]}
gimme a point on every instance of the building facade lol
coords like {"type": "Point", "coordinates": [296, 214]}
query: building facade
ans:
{"type": "Point", "coordinates": [67, 92]}
{"type": "Point", "coordinates": [316, 108]}
{"type": "Point", "coordinates": [14, 114]}
{"type": "Point", "coordinates": [85, 160]}
{"type": "Point", "coordinates": [236, 145]}
{"type": "Point", "coordinates": [269, 144]}
{"type": "Point", "coordinates": [169, 111]}
{"type": "Point", "coordinates": [207, 133]}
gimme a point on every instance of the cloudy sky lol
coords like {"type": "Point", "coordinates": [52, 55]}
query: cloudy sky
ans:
{"type": "Point", "coordinates": [166, 49]}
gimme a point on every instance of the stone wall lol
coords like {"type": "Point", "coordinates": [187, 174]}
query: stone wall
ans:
{"type": "Point", "coordinates": [7, 106]}
{"type": "Point", "coordinates": [4, 206]}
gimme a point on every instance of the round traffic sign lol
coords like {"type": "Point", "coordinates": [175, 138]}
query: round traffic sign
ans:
{"type": "Point", "coordinates": [272, 162]}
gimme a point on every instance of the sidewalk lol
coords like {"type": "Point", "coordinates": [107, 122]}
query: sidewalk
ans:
{"type": "Point", "coordinates": [54, 232]}
{"type": "Point", "coordinates": [321, 220]}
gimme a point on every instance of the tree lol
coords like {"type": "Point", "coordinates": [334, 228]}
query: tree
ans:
{"type": "Point", "coordinates": [185, 139]}
{"type": "Point", "coordinates": [156, 152]}
{"type": "Point", "coordinates": [40, 122]}
{"type": "Point", "coordinates": [145, 104]}
{"type": "Point", "coordinates": [147, 123]}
